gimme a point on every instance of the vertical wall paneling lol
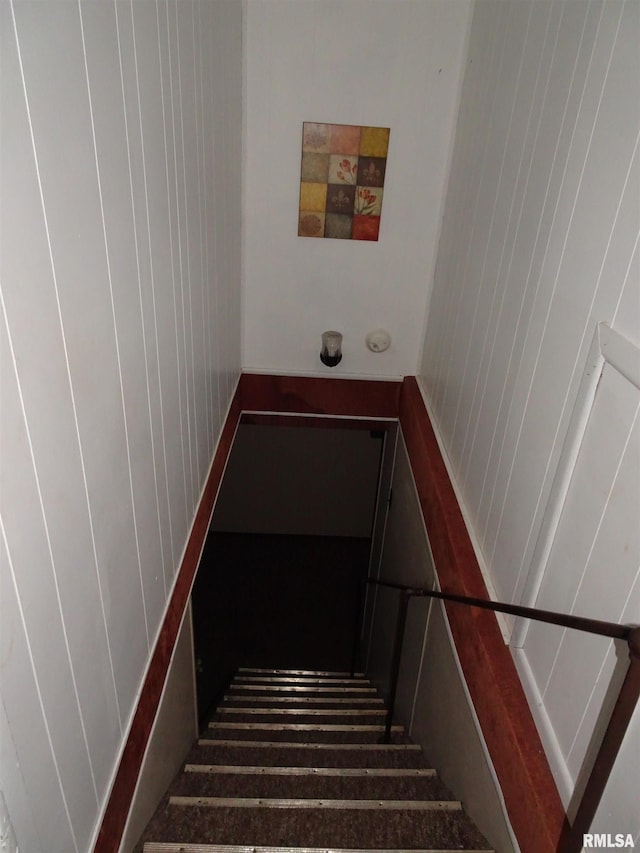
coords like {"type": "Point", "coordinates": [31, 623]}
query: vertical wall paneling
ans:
{"type": "Point", "coordinates": [48, 399]}
{"type": "Point", "coordinates": [227, 97]}
{"type": "Point", "coordinates": [67, 168]}
{"type": "Point", "coordinates": [116, 367]}
{"type": "Point", "coordinates": [482, 98]}
{"type": "Point", "coordinates": [170, 268]}
{"type": "Point", "coordinates": [212, 232]}
{"type": "Point", "coordinates": [540, 245]}
{"type": "Point", "coordinates": [177, 131]}
{"type": "Point", "coordinates": [576, 222]}
{"type": "Point", "coordinates": [23, 704]}
{"type": "Point", "coordinates": [29, 602]}
{"type": "Point", "coordinates": [130, 324]}
{"type": "Point", "coordinates": [13, 780]}
{"type": "Point", "coordinates": [204, 266]}
{"type": "Point", "coordinates": [188, 135]}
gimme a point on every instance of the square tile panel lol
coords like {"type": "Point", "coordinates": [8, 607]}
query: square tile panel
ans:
{"type": "Point", "coordinates": [374, 141]}
{"type": "Point", "coordinates": [316, 137]}
{"type": "Point", "coordinates": [340, 199]}
{"type": "Point", "coordinates": [371, 171]}
{"type": "Point", "coordinates": [341, 181]}
{"type": "Point", "coordinates": [315, 167]}
{"type": "Point", "coordinates": [342, 169]}
{"type": "Point", "coordinates": [313, 196]}
{"type": "Point", "coordinates": [365, 227]}
{"type": "Point", "coordinates": [368, 201]}
{"type": "Point", "coordinates": [338, 225]}
{"type": "Point", "coordinates": [310, 224]}
{"type": "Point", "coordinates": [345, 138]}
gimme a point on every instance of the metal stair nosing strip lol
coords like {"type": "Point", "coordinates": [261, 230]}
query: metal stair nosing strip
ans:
{"type": "Point", "coordinates": [179, 847]}
{"type": "Point", "coordinates": [302, 727]}
{"type": "Point", "coordinates": [306, 712]}
{"type": "Point", "coordinates": [279, 770]}
{"type": "Point", "coordinates": [310, 700]}
{"type": "Point", "coordinates": [311, 803]}
{"type": "Point", "coordinates": [300, 688]}
{"type": "Point", "coordinates": [318, 673]}
{"type": "Point", "coordinates": [274, 744]}
{"type": "Point", "coordinates": [296, 679]}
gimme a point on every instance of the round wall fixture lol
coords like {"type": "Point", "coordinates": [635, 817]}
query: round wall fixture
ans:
{"type": "Point", "coordinates": [378, 341]}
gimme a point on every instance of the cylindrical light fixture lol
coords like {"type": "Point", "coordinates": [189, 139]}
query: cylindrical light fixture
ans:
{"type": "Point", "coordinates": [331, 353]}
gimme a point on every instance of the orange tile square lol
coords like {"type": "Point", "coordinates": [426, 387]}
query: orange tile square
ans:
{"type": "Point", "coordinates": [345, 139]}
{"type": "Point", "coordinates": [365, 228]}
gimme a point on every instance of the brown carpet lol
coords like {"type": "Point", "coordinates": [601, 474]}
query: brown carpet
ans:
{"type": "Point", "coordinates": [389, 828]}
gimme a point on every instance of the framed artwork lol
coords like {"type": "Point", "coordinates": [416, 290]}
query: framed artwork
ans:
{"type": "Point", "coordinates": [342, 180]}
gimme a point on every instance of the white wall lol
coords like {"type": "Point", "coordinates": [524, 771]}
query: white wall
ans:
{"type": "Point", "coordinates": [120, 352]}
{"type": "Point", "coordinates": [432, 700]}
{"type": "Point", "coordinates": [390, 63]}
{"type": "Point", "coordinates": [539, 244]}
{"type": "Point", "coordinates": [174, 731]}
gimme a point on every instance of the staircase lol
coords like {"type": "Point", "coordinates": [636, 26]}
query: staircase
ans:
{"type": "Point", "coordinates": [293, 763]}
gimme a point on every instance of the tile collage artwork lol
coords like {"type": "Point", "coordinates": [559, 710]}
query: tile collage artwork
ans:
{"type": "Point", "coordinates": [342, 180]}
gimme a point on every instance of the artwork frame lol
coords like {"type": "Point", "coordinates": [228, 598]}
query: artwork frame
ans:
{"type": "Point", "coordinates": [342, 173]}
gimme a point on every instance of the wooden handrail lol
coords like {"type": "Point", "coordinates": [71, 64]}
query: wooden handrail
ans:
{"type": "Point", "coordinates": [592, 626]}
{"type": "Point", "coordinates": [626, 701]}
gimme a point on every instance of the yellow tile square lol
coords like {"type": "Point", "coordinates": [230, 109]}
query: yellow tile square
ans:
{"type": "Point", "coordinates": [313, 196]}
{"type": "Point", "coordinates": [374, 141]}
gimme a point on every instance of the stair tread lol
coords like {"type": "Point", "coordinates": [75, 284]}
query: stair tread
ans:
{"type": "Point", "coordinates": [300, 680]}
{"type": "Point", "coordinates": [396, 829]}
{"type": "Point", "coordinates": [173, 847]}
{"type": "Point", "coordinates": [208, 751]}
{"type": "Point", "coordinates": [247, 670]}
{"type": "Point", "coordinates": [310, 787]}
{"type": "Point", "coordinates": [301, 688]}
{"type": "Point", "coordinates": [324, 803]}
{"type": "Point", "coordinates": [304, 722]}
{"type": "Point", "coordinates": [237, 700]}
{"type": "Point", "coordinates": [288, 770]}
{"type": "Point", "coordinates": [332, 737]}
{"type": "Point", "coordinates": [225, 712]}
{"type": "Point", "coordinates": [308, 769]}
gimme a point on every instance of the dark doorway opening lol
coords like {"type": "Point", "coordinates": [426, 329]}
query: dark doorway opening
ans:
{"type": "Point", "coordinates": [289, 543]}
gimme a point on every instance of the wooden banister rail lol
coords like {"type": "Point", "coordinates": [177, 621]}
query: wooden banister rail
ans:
{"type": "Point", "coordinates": [626, 701]}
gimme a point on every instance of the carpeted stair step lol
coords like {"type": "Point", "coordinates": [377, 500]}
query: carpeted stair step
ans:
{"type": "Point", "coordinates": [298, 714]}
{"type": "Point", "coordinates": [295, 701]}
{"type": "Point", "coordinates": [163, 847]}
{"type": "Point", "coordinates": [311, 783]}
{"type": "Point", "coordinates": [301, 684]}
{"type": "Point", "coordinates": [208, 751]}
{"type": "Point", "coordinates": [301, 733]}
{"type": "Point", "coordinates": [292, 761]}
{"type": "Point", "coordinates": [286, 689]}
{"type": "Point", "coordinates": [247, 670]}
{"type": "Point", "coordinates": [394, 829]}
{"type": "Point", "coordinates": [299, 678]}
